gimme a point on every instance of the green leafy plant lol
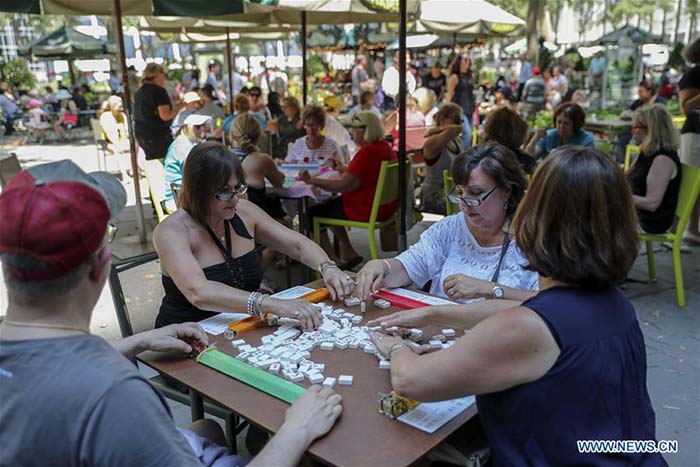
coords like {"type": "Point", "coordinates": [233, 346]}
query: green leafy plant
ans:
{"type": "Point", "coordinates": [16, 72]}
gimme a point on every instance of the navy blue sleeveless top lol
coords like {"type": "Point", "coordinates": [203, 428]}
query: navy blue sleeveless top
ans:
{"type": "Point", "coordinates": [243, 272]}
{"type": "Point", "coordinates": [596, 390]}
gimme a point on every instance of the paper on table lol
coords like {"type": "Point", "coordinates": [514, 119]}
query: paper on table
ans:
{"type": "Point", "coordinates": [218, 323]}
{"type": "Point", "coordinates": [427, 299]}
{"type": "Point", "coordinates": [430, 416]}
{"type": "Point", "coordinates": [294, 292]}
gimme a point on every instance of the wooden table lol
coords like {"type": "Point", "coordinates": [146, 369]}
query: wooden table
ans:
{"type": "Point", "coordinates": [361, 436]}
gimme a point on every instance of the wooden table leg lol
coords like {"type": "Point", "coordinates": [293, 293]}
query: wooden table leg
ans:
{"type": "Point", "coordinates": [196, 405]}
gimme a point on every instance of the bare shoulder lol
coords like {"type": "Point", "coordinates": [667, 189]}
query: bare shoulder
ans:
{"type": "Point", "coordinates": [178, 224]}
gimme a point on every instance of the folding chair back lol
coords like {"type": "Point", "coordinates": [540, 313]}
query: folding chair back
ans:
{"type": "Point", "coordinates": [448, 183]}
{"type": "Point", "coordinates": [630, 150]}
{"type": "Point", "coordinates": [9, 167]}
{"type": "Point", "coordinates": [155, 176]}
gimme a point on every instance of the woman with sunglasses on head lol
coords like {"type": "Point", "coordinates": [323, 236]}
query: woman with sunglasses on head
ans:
{"type": "Point", "coordinates": [469, 255]}
{"type": "Point", "coordinates": [207, 248]}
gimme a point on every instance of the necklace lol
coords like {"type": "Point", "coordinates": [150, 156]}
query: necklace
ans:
{"type": "Point", "coordinates": [44, 325]}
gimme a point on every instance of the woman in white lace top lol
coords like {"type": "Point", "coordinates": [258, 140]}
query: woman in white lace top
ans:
{"type": "Point", "coordinates": [469, 255]}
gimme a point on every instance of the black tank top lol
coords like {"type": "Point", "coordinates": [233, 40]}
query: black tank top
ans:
{"type": "Point", "coordinates": [662, 219]}
{"type": "Point", "coordinates": [464, 94]}
{"type": "Point", "coordinates": [244, 273]}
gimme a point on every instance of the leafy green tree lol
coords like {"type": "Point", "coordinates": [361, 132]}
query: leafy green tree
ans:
{"type": "Point", "coordinates": [16, 72]}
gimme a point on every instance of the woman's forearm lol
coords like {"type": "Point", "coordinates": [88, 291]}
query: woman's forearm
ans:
{"type": "Point", "coordinates": [395, 274]}
{"type": "Point", "coordinates": [466, 316]}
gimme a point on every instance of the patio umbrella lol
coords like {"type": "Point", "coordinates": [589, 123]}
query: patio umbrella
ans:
{"type": "Point", "coordinates": [520, 46]}
{"type": "Point", "coordinates": [636, 35]}
{"type": "Point", "coordinates": [127, 7]}
{"type": "Point", "coordinates": [474, 17]}
{"type": "Point", "coordinates": [66, 43]}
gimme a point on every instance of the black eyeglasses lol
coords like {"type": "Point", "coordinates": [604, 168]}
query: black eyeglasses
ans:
{"type": "Point", "coordinates": [228, 195]}
{"type": "Point", "coordinates": [454, 197]}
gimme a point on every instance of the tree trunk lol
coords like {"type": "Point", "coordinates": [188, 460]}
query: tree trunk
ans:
{"type": "Point", "coordinates": [678, 21]}
{"type": "Point", "coordinates": [663, 26]}
{"type": "Point", "coordinates": [532, 22]}
{"type": "Point", "coordinates": [605, 17]}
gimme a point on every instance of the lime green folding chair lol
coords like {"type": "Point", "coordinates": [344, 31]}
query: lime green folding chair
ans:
{"type": "Point", "coordinates": [690, 188]}
{"type": "Point", "coordinates": [603, 145]}
{"type": "Point", "coordinates": [155, 176]}
{"type": "Point", "coordinates": [678, 121]}
{"type": "Point", "coordinates": [448, 183]}
{"type": "Point", "coordinates": [386, 192]}
{"type": "Point", "coordinates": [630, 150]}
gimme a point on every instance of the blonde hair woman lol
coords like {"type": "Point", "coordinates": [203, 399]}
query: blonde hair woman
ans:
{"type": "Point", "coordinates": [257, 166]}
{"type": "Point", "coordinates": [115, 130]}
{"type": "Point", "coordinates": [153, 112]}
{"type": "Point", "coordinates": [655, 177]}
{"type": "Point", "coordinates": [193, 131]}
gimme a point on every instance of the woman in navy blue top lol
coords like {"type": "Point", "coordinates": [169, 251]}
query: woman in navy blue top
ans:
{"type": "Point", "coordinates": [566, 365]}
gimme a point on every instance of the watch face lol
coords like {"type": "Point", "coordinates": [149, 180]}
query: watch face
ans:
{"type": "Point", "coordinates": [498, 292]}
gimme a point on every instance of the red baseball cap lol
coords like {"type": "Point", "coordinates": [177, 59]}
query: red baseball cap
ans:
{"type": "Point", "coordinates": [57, 214]}
{"type": "Point", "coordinates": [536, 70]}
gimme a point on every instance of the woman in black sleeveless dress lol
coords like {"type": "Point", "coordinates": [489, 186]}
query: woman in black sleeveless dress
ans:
{"type": "Point", "coordinates": [207, 248]}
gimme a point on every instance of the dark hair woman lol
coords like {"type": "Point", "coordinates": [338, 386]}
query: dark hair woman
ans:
{"type": "Point", "coordinates": [207, 248]}
{"type": "Point", "coordinates": [576, 345]}
{"type": "Point", "coordinates": [460, 91]}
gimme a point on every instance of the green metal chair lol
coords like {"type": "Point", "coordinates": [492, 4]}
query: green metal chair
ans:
{"type": "Point", "coordinates": [690, 188]}
{"type": "Point", "coordinates": [630, 150]}
{"type": "Point", "coordinates": [603, 145]}
{"type": "Point", "coordinates": [448, 183]}
{"type": "Point", "coordinates": [386, 192]}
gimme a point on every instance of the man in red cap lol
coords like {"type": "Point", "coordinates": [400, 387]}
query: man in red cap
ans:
{"type": "Point", "coordinates": [533, 92]}
{"type": "Point", "coordinates": [68, 398]}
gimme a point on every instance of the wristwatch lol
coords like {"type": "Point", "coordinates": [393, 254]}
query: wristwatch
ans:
{"type": "Point", "coordinates": [497, 292]}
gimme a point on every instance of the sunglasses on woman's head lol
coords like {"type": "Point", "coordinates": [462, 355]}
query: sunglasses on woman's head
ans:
{"type": "Point", "coordinates": [227, 195]}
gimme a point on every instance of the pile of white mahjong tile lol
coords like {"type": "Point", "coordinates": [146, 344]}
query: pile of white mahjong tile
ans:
{"type": "Point", "coordinates": [286, 352]}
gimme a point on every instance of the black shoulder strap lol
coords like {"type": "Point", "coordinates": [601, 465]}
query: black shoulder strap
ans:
{"type": "Point", "coordinates": [504, 248]}
{"type": "Point", "coordinates": [225, 250]}
{"type": "Point", "coordinates": [239, 227]}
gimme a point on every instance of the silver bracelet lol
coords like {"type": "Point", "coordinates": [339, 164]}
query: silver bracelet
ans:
{"type": "Point", "coordinates": [249, 307]}
{"type": "Point", "coordinates": [326, 265]}
{"type": "Point", "coordinates": [258, 304]}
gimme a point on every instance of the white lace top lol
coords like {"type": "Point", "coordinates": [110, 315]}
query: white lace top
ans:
{"type": "Point", "coordinates": [448, 247]}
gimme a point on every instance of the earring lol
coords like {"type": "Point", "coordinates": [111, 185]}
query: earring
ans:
{"type": "Point", "coordinates": [505, 206]}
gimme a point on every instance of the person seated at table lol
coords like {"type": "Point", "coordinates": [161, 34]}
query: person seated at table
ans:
{"type": "Point", "coordinates": [289, 126]}
{"type": "Point", "coordinates": [192, 105]}
{"type": "Point", "coordinates": [442, 144]}
{"type": "Point", "coordinates": [258, 107]}
{"type": "Point", "coordinates": [576, 345]}
{"type": "Point", "coordinates": [38, 120]}
{"type": "Point", "coordinates": [647, 95]}
{"type": "Point", "coordinates": [568, 121]}
{"type": "Point", "coordinates": [366, 104]}
{"type": "Point", "coordinates": [427, 104]}
{"type": "Point", "coordinates": [471, 254]}
{"type": "Point", "coordinates": [257, 166]}
{"type": "Point", "coordinates": [505, 126]}
{"type": "Point", "coordinates": [207, 247]}
{"type": "Point", "coordinates": [89, 396]}
{"type": "Point", "coordinates": [655, 177]}
{"type": "Point", "coordinates": [193, 131]}
{"type": "Point", "coordinates": [210, 105]}
{"type": "Point", "coordinates": [334, 129]}
{"type": "Point", "coordinates": [414, 117]}
{"type": "Point", "coordinates": [67, 115]}
{"type": "Point", "coordinates": [357, 186]}
{"type": "Point", "coordinates": [314, 147]}
{"type": "Point", "coordinates": [241, 105]}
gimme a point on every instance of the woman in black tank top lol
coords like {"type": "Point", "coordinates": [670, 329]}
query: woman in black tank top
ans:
{"type": "Point", "coordinates": [655, 177]}
{"type": "Point", "coordinates": [207, 248]}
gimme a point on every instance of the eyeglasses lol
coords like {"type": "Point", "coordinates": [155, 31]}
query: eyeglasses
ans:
{"type": "Point", "coordinates": [228, 195]}
{"type": "Point", "coordinates": [455, 198]}
{"type": "Point", "coordinates": [639, 127]}
{"type": "Point", "coordinates": [255, 95]}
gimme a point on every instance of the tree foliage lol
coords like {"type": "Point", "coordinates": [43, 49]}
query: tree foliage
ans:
{"type": "Point", "coordinates": [16, 72]}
